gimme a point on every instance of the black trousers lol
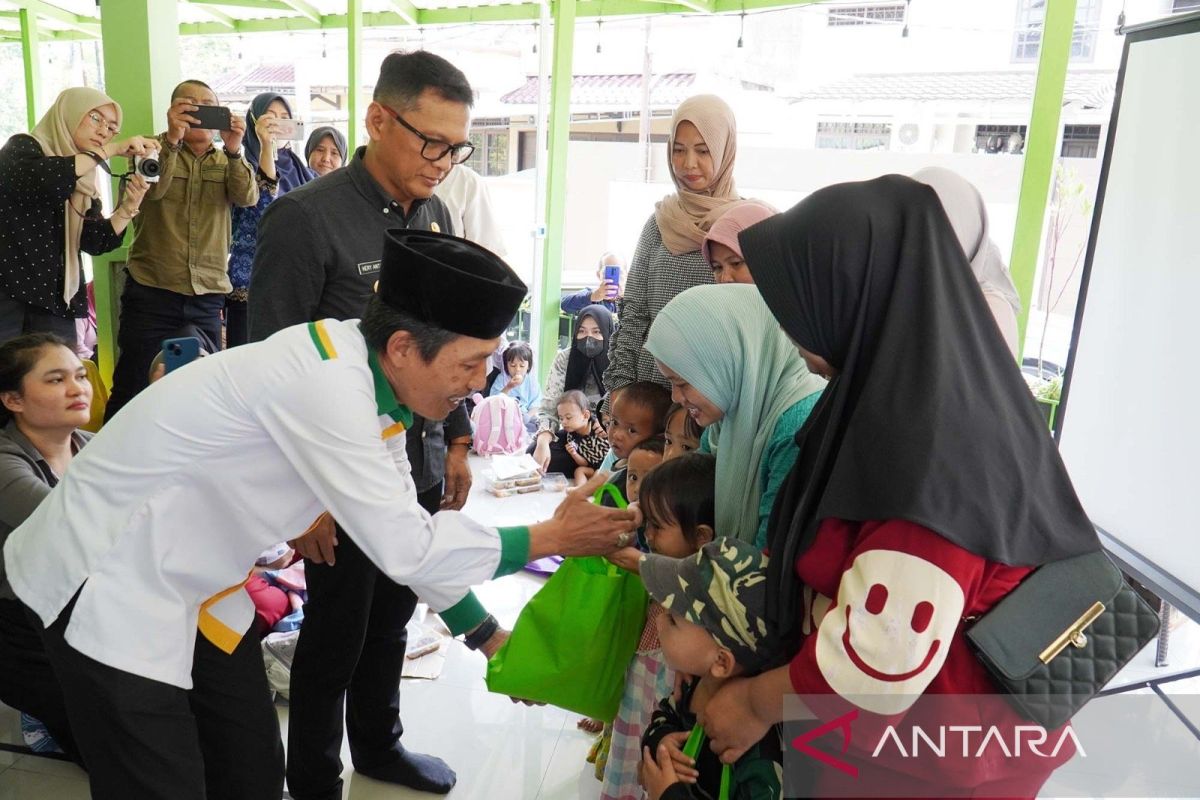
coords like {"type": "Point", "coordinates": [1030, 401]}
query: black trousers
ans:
{"type": "Point", "coordinates": [153, 741]}
{"type": "Point", "coordinates": [348, 663]}
{"type": "Point", "coordinates": [27, 680]}
{"type": "Point", "coordinates": [149, 315]}
{"type": "Point", "coordinates": [237, 322]}
{"type": "Point", "coordinates": [18, 317]}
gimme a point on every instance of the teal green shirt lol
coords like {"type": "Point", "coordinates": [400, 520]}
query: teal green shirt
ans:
{"type": "Point", "coordinates": [778, 460]}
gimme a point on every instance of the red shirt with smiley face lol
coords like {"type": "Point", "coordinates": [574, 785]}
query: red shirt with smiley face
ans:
{"type": "Point", "coordinates": [883, 618]}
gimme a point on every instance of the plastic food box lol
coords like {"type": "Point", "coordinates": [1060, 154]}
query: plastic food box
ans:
{"type": "Point", "coordinates": [511, 486]}
{"type": "Point", "coordinates": [555, 482]}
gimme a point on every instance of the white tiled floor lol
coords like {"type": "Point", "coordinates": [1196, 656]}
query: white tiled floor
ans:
{"type": "Point", "coordinates": [500, 750]}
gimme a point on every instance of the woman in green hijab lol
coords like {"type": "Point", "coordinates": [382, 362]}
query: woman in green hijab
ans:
{"type": "Point", "coordinates": [737, 374]}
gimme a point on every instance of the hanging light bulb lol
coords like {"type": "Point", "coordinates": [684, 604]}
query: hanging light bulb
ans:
{"type": "Point", "coordinates": [741, 29]}
{"type": "Point", "coordinates": [598, 24]}
{"type": "Point", "coordinates": [239, 47]}
{"type": "Point", "coordinates": [324, 45]}
{"type": "Point", "coordinates": [535, 36]}
{"type": "Point", "coordinates": [904, 33]}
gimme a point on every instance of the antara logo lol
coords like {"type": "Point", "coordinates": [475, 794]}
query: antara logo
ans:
{"type": "Point", "coordinates": [1033, 737]}
{"type": "Point", "coordinates": [921, 743]}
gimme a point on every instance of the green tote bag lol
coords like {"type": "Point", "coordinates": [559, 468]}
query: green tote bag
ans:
{"type": "Point", "coordinates": [574, 639]}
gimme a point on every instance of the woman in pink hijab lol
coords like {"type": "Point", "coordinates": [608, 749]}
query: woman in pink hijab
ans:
{"type": "Point", "coordinates": [721, 249]}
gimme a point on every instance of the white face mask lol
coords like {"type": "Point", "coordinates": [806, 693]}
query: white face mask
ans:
{"type": "Point", "coordinates": [889, 632]}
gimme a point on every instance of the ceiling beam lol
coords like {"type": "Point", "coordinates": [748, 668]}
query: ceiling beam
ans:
{"type": "Point", "coordinates": [701, 6]}
{"type": "Point", "coordinates": [262, 5]}
{"type": "Point", "coordinates": [304, 9]}
{"type": "Point", "coordinates": [73, 21]}
{"type": "Point", "coordinates": [410, 13]}
{"type": "Point", "coordinates": [216, 14]}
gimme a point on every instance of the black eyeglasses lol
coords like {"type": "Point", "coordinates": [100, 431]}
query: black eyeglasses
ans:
{"type": "Point", "coordinates": [436, 149]}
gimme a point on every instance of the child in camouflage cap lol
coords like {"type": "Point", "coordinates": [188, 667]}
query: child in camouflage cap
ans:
{"type": "Point", "coordinates": [715, 628]}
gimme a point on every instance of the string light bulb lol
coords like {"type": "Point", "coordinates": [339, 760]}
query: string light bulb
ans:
{"type": "Point", "coordinates": [535, 36]}
{"type": "Point", "coordinates": [904, 32]}
{"type": "Point", "coordinates": [324, 44]}
{"type": "Point", "coordinates": [741, 29]}
{"type": "Point", "coordinates": [599, 23]}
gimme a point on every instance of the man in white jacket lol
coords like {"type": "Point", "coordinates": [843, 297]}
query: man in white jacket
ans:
{"type": "Point", "coordinates": [151, 534]}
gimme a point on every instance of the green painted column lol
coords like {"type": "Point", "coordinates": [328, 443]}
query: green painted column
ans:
{"type": "Point", "coordinates": [29, 49]}
{"type": "Point", "coordinates": [140, 40]}
{"type": "Point", "coordinates": [1040, 152]}
{"type": "Point", "coordinates": [558, 136]}
{"type": "Point", "coordinates": [355, 134]}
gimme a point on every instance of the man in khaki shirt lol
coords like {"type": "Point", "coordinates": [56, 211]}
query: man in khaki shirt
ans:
{"type": "Point", "coordinates": [177, 272]}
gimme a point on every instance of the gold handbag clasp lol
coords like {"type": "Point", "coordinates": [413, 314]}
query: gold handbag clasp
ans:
{"type": "Point", "coordinates": [1073, 635]}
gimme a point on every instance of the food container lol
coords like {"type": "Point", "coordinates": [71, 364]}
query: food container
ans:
{"type": "Point", "coordinates": [522, 484]}
{"type": "Point", "coordinates": [555, 482]}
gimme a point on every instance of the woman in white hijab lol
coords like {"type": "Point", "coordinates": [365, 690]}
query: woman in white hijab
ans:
{"type": "Point", "coordinates": [50, 210]}
{"type": "Point", "coordinates": [968, 216]}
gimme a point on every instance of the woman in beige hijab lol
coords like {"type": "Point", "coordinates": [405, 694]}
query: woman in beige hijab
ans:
{"type": "Point", "coordinates": [50, 210]}
{"type": "Point", "coordinates": [968, 216]}
{"type": "Point", "coordinates": [703, 150]}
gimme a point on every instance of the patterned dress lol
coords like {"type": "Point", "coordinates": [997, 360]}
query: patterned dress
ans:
{"type": "Point", "coordinates": [655, 278]}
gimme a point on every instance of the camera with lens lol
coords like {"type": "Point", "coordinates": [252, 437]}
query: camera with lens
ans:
{"type": "Point", "coordinates": [148, 167]}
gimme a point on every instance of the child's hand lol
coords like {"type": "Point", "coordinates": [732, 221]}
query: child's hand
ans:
{"type": "Point", "coordinates": [627, 558]}
{"type": "Point", "coordinates": [657, 776]}
{"type": "Point", "coordinates": [571, 448]}
{"type": "Point", "coordinates": [685, 768]}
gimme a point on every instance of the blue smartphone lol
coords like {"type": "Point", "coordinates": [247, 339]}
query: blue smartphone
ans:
{"type": "Point", "coordinates": [612, 274]}
{"type": "Point", "coordinates": [177, 352]}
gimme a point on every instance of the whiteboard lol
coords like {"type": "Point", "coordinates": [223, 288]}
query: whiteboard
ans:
{"type": "Point", "coordinates": [1129, 431]}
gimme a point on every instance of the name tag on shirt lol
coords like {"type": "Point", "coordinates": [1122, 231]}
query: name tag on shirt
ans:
{"type": "Point", "coordinates": [368, 267]}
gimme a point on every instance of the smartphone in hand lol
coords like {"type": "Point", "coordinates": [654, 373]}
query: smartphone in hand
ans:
{"type": "Point", "coordinates": [289, 129]}
{"type": "Point", "coordinates": [212, 118]}
{"type": "Point", "coordinates": [177, 352]}
{"type": "Point", "coordinates": [612, 274]}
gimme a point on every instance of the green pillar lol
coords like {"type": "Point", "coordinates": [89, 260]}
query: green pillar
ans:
{"type": "Point", "coordinates": [558, 135]}
{"type": "Point", "coordinates": [1040, 145]}
{"type": "Point", "coordinates": [29, 49]}
{"type": "Point", "coordinates": [140, 39]}
{"type": "Point", "coordinates": [355, 131]}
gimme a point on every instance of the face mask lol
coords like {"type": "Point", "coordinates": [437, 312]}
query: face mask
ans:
{"type": "Point", "coordinates": [590, 347]}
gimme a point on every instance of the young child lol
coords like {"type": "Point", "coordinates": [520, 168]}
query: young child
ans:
{"type": "Point", "coordinates": [639, 411]}
{"type": "Point", "coordinates": [580, 436]}
{"type": "Point", "coordinates": [645, 457]}
{"type": "Point", "coordinates": [677, 500]}
{"type": "Point", "coordinates": [520, 385]}
{"type": "Point", "coordinates": [682, 434]}
{"type": "Point", "coordinates": [716, 604]}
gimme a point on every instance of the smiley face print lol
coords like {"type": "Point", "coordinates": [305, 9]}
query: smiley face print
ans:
{"type": "Point", "coordinates": [889, 632]}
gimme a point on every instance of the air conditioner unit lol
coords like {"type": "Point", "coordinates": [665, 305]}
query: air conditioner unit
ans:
{"type": "Point", "coordinates": [909, 133]}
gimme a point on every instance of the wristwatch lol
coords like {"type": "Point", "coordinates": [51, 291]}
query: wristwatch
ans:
{"type": "Point", "coordinates": [486, 630]}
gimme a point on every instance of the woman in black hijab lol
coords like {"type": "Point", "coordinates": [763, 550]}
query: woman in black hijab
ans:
{"type": "Point", "coordinates": [580, 366]}
{"type": "Point", "coordinates": [926, 486]}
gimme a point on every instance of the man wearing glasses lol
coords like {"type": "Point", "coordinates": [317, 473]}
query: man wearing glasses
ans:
{"type": "Point", "coordinates": [318, 256]}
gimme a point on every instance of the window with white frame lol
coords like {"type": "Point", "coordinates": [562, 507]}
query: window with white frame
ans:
{"type": "Point", "coordinates": [1031, 17]}
{"type": "Point", "coordinates": [870, 14]}
{"type": "Point", "coordinates": [491, 151]}
{"type": "Point", "coordinates": [1181, 6]}
{"type": "Point", "coordinates": [1081, 141]}
{"type": "Point", "coordinates": [854, 135]}
{"type": "Point", "coordinates": [1000, 139]}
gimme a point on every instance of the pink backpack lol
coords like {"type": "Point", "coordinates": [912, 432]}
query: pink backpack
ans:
{"type": "Point", "coordinates": [499, 426]}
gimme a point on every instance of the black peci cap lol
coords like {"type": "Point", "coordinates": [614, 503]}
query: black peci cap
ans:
{"type": "Point", "coordinates": [449, 283]}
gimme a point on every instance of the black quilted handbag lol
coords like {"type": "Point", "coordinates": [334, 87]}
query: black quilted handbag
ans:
{"type": "Point", "coordinates": [1061, 635]}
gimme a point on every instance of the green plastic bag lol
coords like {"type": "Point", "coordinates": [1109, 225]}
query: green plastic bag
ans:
{"type": "Point", "coordinates": [574, 639]}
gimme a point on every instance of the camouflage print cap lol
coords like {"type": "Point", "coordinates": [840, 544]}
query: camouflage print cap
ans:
{"type": "Point", "coordinates": [723, 588]}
